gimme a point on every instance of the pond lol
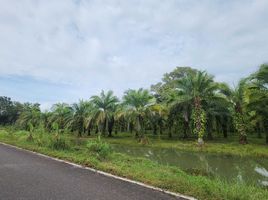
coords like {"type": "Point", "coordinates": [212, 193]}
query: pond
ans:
{"type": "Point", "coordinates": [229, 168]}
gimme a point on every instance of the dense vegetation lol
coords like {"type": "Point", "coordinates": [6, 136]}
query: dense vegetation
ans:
{"type": "Point", "coordinates": [187, 103]}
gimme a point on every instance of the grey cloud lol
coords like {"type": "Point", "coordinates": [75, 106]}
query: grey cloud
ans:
{"type": "Point", "coordinates": [118, 44]}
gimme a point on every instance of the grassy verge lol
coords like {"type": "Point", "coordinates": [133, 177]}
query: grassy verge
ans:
{"type": "Point", "coordinates": [166, 177]}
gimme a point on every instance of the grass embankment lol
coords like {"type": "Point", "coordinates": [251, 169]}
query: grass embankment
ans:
{"type": "Point", "coordinates": [100, 157]}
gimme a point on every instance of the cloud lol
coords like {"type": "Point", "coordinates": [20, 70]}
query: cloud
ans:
{"type": "Point", "coordinates": [91, 45]}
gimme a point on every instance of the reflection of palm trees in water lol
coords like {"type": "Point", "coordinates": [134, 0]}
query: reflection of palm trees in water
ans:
{"type": "Point", "coordinates": [239, 177]}
{"type": "Point", "coordinates": [204, 161]}
{"type": "Point", "coordinates": [227, 168]}
{"type": "Point", "coordinates": [264, 174]}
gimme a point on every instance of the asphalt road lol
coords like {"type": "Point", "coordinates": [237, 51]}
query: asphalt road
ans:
{"type": "Point", "coordinates": [24, 175]}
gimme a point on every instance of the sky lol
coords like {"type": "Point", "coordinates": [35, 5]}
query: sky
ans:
{"type": "Point", "coordinates": [66, 50]}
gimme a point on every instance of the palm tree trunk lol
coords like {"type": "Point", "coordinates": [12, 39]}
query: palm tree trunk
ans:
{"type": "Point", "coordinates": [224, 130]}
{"type": "Point", "coordinates": [79, 133]}
{"type": "Point", "coordinates": [110, 127]}
{"type": "Point", "coordinates": [210, 137]}
{"type": "Point", "coordinates": [199, 125]}
{"type": "Point", "coordinates": [128, 126]}
{"type": "Point", "coordinates": [240, 125]}
{"type": "Point", "coordinates": [209, 128]}
{"type": "Point", "coordinates": [154, 129]}
{"type": "Point", "coordinates": [138, 125]}
{"type": "Point", "coordinates": [169, 131]}
{"type": "Point", "coordinates": [161, 128]}
{"type": "Point", "coordinates": [185, 128]}
{"type": "Point", "coordinates": [131, 128]}
{"type": "Point", "coordinates": [266, 130]}
{"type": "Point", "coordinates": [103, 131]}
{"type": "Point", "coordinates": [258, 129]}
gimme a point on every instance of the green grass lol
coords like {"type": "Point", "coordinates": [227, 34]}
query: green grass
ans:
{"type": "Point", "coordinates": [140, 169]}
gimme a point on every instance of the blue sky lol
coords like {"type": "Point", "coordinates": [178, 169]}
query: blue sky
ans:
{"type": "Point", "coordinates": [65, 50]}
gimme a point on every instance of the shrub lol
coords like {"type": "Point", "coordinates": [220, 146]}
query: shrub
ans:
{"type": "Point", "coordinates": [101, 149]}
{"type": "Point", "coordinates": [58, 143]}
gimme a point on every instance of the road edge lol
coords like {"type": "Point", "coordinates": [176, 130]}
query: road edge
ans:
{"type": "Point", "coordinates": [103, 173]}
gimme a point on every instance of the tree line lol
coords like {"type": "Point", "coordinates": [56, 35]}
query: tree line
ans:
{"type": "Point", "coordinates": [187, 102]}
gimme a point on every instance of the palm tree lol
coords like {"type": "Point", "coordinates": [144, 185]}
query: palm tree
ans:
{"type": "Point", "coordinates": [61, 114]}
{"type": "Point", "coordinates": [137, 103]}
{"type": "Point", "coordinates": [218, 114]}
{"type": "Point", "coordinates": [197, 89]}
{"type": "Point", "coordinates": [30, 118]}
{"type": "Point", "coordinates": [81, 119]}
{"type": "Point", "coordinates": [181, 109]}
{"type": "Point", "coordinates": [236, 97]}
{"type": "Point", "coordinates": [257, 94]}
{"type": "Point", "coordinates": [105, 106]}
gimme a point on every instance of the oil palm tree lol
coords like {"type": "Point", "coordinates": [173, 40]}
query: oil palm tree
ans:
{"type": "Point", "coordinates": [237, 99]}
{"type": "Point", "coordinates": [105, 106]}
{"type": "Point", "coordinates": [81, 119]}
{"type": "Point", "coordinates": [30, 118]}
{"type": "Point", "coordinates": [218, 116]}
{"type": "Point", "coordinates": [61, 114]}
{"type": "Point", "coordinates": [157, 116]}
{"type": "Point", "coordinates": [257, 94]}
{"type": "Point", "coordinates": [179, 108]}
{"type": "Point", "coordinates": [137, 104]}
{"type": "Point", "coordinates": [197, 89]}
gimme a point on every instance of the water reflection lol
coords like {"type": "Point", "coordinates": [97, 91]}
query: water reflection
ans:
{"type": "Point", "coordinates": [230, 168]}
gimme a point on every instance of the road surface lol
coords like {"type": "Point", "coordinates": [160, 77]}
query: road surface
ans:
{"type": "Point", "coordinates": [24, 175]}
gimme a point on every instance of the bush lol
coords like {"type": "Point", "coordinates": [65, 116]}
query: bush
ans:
{"type": "Point", "coordinates": [58, 143]}
{"type": "Point", "coordinates": [101, 149]}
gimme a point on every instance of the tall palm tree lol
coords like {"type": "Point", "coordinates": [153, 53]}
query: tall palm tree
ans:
{"type": "Point", "coordinates": [137, 103]}
{"type": "Point", "coordinates": [237, 99]}
{"type": "Point", "coordinates": [197, 89]}
{"type": "Point", "coordinates": [105, 106]}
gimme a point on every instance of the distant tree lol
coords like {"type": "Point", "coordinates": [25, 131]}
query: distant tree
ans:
{"type": "Point", "coordinates": [9, 110]}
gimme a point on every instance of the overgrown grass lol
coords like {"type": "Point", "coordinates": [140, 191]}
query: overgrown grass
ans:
{"type": "Point", "coordinates": [87, 152]}
{"type": "Point", "coordinates": [99, 148]}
